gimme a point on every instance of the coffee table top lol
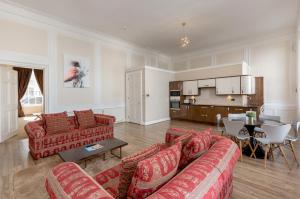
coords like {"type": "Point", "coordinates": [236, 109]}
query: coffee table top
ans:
{"type": "Point", "coordinates": [80, 153]}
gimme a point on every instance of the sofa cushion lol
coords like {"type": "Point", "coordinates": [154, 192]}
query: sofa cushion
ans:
{"type": "Point", "coordinates": [197, 145]}
{"type": "Point", "coordinates": [128, 166]}
{"type": "Point", "coordinates": [85, 119]}
{"type": "Point", "coordinates": [56, 122]}
{"type": "Point", "coordinates": [154, 172]}
{"type": "Point", "coordinates": [184, 139]}
{"type": "Point", "coordinates": [61, 138]}
{"type": "Point", "coordinates": [173, 133]}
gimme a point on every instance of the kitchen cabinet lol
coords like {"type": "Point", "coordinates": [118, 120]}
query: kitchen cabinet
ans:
{"type": "Point", "coordinates": [206, 83]}
{"type": "Point", "coordinates": [228, 86]}
{"type": "Point", "coordinates": [258, 98]}
{"type": "Point", "coordinates": [247, 85]}
{"type": "Point", "coordinates": [175, 85]}
{"type": "Point", "coordinates": [190, 88]}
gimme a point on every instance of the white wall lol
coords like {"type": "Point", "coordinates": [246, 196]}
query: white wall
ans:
{"type": "Point", "coordinates": [157, 87]}
{"type": "Point", "coordinates": [28, 39]}
{"type": "Point", "coordinates": [273, 57]}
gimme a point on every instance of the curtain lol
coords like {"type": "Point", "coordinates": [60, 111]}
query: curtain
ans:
{"type": "Point", "coordinates": [24, 75]}
{"type": "Point", "coordinates": [39, 78]}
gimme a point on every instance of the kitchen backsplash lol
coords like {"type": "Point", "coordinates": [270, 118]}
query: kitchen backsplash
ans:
{"type": "Point", "coordinates": [208, 97]}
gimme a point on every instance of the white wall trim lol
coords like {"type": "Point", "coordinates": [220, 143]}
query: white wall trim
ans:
{"type": "Point", "coordinates": [159, 69]}
{"type": "Point", "coordinates": [211, 67]}
{"type": "Point", "coordinates": [156, 121]}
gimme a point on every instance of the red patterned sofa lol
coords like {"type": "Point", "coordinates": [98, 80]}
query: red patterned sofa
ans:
{"type": "Point", "coordinates": [209, 176]}
{"type": "Point", "coordinates": [43, 144]}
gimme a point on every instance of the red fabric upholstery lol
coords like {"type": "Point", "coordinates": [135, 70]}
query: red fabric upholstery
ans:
{"type": "Point", "coordinates": [68, 180]}
{"type": "Point", "coordinates": [42, 144]}
{"type": "Point", "coordinates": [85, 119]}
{"type": "Point", "coordinates": [109, 179]}
{"type": "Point", "coordinates": [210, 176]}
{"type": "Point", "coordinates": [173, 133]}
{"type": "Point", "coordinates": [197, 145]}
{"type": "Point", "coordinates": [55, 122]}
{"type": "Point", "coordinates": [155, 171]}
{"type": "Point", "coordinates": [102, 119]}
{"type": "Point", "coordinates": [129, 164]}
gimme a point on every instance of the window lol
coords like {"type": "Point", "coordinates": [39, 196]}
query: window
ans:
{"type": "Point", "coordinates": [33, 95]}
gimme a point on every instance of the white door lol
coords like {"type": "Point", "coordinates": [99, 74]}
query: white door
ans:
{"type": "Point", "coordinates": [8, 103]}
{"type": "Point", "coordinates": [134, 96]}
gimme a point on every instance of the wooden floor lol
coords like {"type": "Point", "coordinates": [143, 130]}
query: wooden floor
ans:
{"type": "Point", "coordinates": [22, 177]}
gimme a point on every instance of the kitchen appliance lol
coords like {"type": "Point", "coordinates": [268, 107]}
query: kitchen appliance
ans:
{"type": "Point", "coordinates": [175, 99]}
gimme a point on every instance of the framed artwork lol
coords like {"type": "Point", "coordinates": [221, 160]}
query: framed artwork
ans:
{"type": "Point", "coordinates": [76, 72]}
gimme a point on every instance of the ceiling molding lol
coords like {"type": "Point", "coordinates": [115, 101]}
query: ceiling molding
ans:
{"type": "Point", "coordinates": [288, 34]}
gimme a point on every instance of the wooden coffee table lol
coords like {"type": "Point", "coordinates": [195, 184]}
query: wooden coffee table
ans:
{"type": "Point", "coordinates": [81, 154]}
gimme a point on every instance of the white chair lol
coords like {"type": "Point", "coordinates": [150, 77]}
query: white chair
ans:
{"type": "Point", "coordinates": [237, 116]}
{"type": "Point", "coordinates": [293, 138]}
{"type": "Point", "coordinates": [267, 119]}
{"type": "Point", "coordinates": [275, 137]}
{"type": "Point", "coordinates": [233, 129]}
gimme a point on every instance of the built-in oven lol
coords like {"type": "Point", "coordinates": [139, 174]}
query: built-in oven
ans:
{"type": "Point", "coordinates": [175, 99]}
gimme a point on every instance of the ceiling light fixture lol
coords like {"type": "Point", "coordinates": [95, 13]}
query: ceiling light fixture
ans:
{"type": "Point", "coordinates": [184, 40]}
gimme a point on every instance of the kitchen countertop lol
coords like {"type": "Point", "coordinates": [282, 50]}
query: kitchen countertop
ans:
{"type": "Point", "coordinates": [220, 105]}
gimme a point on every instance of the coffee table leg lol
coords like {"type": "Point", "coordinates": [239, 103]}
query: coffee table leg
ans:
{"type": "Point", "coordinates": [118, 156]}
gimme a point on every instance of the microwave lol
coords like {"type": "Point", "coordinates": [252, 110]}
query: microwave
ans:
{"type": "Point", "coordinates": [175, 93]}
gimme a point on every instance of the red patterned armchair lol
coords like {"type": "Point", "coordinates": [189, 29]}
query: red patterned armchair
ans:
{"type": "Point", "coordinates": [209, 176]}
{"type": "Point", "coordinates": [43, 144]}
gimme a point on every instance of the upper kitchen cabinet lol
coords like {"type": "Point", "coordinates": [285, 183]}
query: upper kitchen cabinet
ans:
{"type": "Point", "coordinates": [228, 86]}
{"type": "Point", "coordinates": [206, 83]}
{"type": "Point", "coordinates": [190, 88]}
{"type": "Point", "coordinates": [247, 85]}
{"type": "Point", "coordinates": [175, 85]}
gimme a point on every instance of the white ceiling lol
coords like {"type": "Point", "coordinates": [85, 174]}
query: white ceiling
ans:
{"type": "Point", "coordinates": [156, 24]}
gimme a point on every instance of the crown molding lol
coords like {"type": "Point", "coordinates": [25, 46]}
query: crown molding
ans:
{"type": "Point", "coordinates": [281, 35]}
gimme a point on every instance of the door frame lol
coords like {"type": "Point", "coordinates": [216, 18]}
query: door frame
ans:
{"type": "Point", "coordinates": [141, 122]}
{"type": "Point", "coordinates": [40, 66]}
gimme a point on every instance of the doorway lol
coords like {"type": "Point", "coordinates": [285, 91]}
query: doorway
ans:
{"type": "Point", "coordinates": [134, 92]}
{"type": "Point", "coordinates": [24, 87]}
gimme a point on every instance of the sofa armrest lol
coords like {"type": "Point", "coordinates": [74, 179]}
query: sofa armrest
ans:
{"type": "Point", "coordinates": [103, 119]}
{"type": "Point", "coordinates": [68, 180]}
{"type": "Point", "coordinates": [173, 133]}
{"type": "Point", "coordinates": [34, 130]}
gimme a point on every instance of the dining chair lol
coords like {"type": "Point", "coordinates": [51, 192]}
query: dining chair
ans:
{"type": "Point", "coordinates": [293, 138]}
{"type": "Point", "coordinates": [233, 129]}
{"type": "Point", "coordinates": [275, 138]}
{"type": "Point", "coordinates": [267, 119]}
{"type": "Point", "coordinates": [237, 116]}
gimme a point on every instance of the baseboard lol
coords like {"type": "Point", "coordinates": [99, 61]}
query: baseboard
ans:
{"type": "Point", "coordinates": [156, 121]}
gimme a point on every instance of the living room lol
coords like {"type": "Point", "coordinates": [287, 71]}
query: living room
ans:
{"type": "Point", "coordinates": [145, 68]}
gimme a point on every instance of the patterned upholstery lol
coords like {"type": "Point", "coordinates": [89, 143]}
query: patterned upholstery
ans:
{"type": "Point", "coordinates": [184, 139]}
{"type": "Point", "coordinates": [109, 179]}
{"type": "Point", "coordinates": [102, 119]}
{"type": "Point", "coordinates": [197, 145]}
{"type": "Point", "coordinates": [42, 144]}
{"type": "Point", "coordinates": [210, 176]}
{"type": "Point", "coordinates": [68, 180]}
{"type": "Point", "coordinates": [85, 119]}
{"type": "Point", "coordinates": [129, 164]}
{"type": "Point", "coordinates": [155, 171]}
{"type": "Point", "coordinates": [55, 122]}
{"type": "Point", "coordinates": [173, 133]}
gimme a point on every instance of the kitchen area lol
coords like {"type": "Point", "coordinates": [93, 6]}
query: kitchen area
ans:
{"type": "Point", "coordinates": [205, 100]}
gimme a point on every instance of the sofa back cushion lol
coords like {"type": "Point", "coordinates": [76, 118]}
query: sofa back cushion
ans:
{"type": "Point", "coordinates": [173, 133]}
{"type": "Point", "coordinates": [85, 119]}
{"type": "Point", "coordinates": [154, 172]}
{"type": "Point", "coordinates": [128, 166]}
{"type": "Point", "coordinates": [56, 122]}
{"type": "Point", "coordinates": [199, 143]}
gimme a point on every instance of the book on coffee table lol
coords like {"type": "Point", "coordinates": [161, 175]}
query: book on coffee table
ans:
{"type": "Point", "coordinates": [93, 147]}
